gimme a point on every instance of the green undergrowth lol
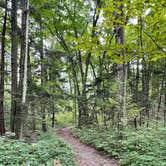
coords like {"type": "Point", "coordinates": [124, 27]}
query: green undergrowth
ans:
{"type": "Point", "coordinates": [136, 148]}
{"type": "Point", "coordinates": [65, 119]}
{"type": "Point", "coordinates": [44, 152]}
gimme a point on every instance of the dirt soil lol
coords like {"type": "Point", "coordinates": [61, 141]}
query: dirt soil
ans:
{"type": "Point", "coordinates": [85, 155]}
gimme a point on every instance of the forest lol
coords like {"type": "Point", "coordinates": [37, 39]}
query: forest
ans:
{"type": "Point", "coordinates": [83, 82]}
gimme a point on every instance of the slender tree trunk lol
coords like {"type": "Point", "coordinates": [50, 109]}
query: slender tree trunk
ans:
{"type": "Point", "coordinates": [77, 90]}
{"type": "Point", "coordinates": [136, 92]}
{"type": "Point", "coordinates": [29, 72]}
{"type": "Point", "coordinates": [165, 97]}
{"type": "Point", "coordinates": [83, 118]}
{"type": "Point", "coordinates": [33, 116]}
{"type": "Point", "coordinates": [145, 115]}
{"type": "Point", "coordinates": [160, 99]}
{"type": "Point", "coordinates": [43, 77]}
{"type": "Point", "coordinates": [14, 66]}
{"type": "Point", "coordinates": [75, 103]}
{"type": "Point", "coordinates": [130, 76]}
{"type": "Point", "coordinates": [44, 125]}
{"type": "Point", "coordinates": [2, 69]}
{"type": "Point", "coordinates": [22, 108]}
{"type": "Point", "coordinates": [165, 108]}
{"type": "Point", "coordinates": [53, 119]}
{"type": "Point", "coordinates": [137, 84]}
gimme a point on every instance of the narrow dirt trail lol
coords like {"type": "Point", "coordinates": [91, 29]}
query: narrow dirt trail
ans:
{"type": "Point", "coordinates": [85, 155]}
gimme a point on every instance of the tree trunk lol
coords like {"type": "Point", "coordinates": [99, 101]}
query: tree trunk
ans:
{"type": "Point", "coordinates": [122, 69]}
{"type": "Point", "coordinates": [165, 108]}
{"type": "Point", "coordinates": [53, 119]}
{"type": "Point", "coordinates": [33, 116]}
{"type": "Point", "coordinates": [14, 49]}
{"type": "Point", "coordinates": [44, 125]}
{"type": "Point", "coordinates": [136, 91]}
{"type": "Point", "coordinates": [145, 93]}
{"type": "Point", "coordinates": [43, 78]}
{"type": "Point", "coordinates": [24, 51]}
{"type": "Point", "coordinates": [160, 99]}
{"type": "Point", "coordinates": [22, 110]}
{"type": "Point", "coordinates": [2, 69]}
{"type": "Point", "coordinates": [165, 98]}
{"type": "Point", "coordinates": [83, 117]}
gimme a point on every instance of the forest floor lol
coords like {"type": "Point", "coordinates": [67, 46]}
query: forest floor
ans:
{"type": "Point", "coordinates": [85, 155]}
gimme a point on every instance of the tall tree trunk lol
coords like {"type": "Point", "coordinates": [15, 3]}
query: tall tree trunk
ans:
{"type": "Point", "coordinates": [22, 108]}
{"type": "Point", "coordinates": [53, 119]}
{"type": "Point", "coordinates": [43, 77]}
{"type": "Point", "coordinates": [83, 118]}
{"type": "Point", "coordinates": [33, 116]}
{"type": "Point", "coordinates": [165, 97]}
{"type": "Point", "coordinates": [2, 69]}
{"type": "Point", "coordinates": [122, 69]}
{"type": "Point", "coordinates": [160, 98]}
{"type": "Point", "coordinates": [144, 114]}
{"type": "Point", "coordinates": [136, 98]}
{"type": "Point", "coordinates": [44, 125]}
{"type": "Point", "coordinates": [14, 67]}
{"type": "Point", "coordinates": [145, 93]}
{"type": "Point", "coordinates": [165, 107]}
{"type": "Point", "coordinates": [136, 91]}
{"type": "Point", "coordinates": [24, 51]}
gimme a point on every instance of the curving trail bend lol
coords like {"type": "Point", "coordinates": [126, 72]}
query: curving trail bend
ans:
{"type": "Point", "coordinates": [85, 155]}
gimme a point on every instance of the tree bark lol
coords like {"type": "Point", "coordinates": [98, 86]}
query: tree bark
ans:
{"type": "Point", "coordinates": [136, 91]}
{"type": "Point", "coordinates": [43, 77]}
{"type": "Point", "coordinates": [165, 97]}
{"type": "Point", "coordinates": [44, 125]}
{"type": "Point", "coordinates": [33, 116]}
{"type": "Point", "coordinates": [160, 98]}
{"type": "Point", "coordinates": [22, 108]}
{"type": "Point", "coordinates": [24, 50]}
{"type": "Point", "coordinates": [53, 119]}
{"type": "Point", "coordinates": [165, 108]}
{"type": "Point", "coordinates": [145, 93]}
{"type": "Point", "coordinates": [14, 66]}
{"type": "Point", "coordinates": [83, 118]}
{"type": "Point", "coordinates": [2, 70]}
{"type": "Point", "coordinates": [122, 69]}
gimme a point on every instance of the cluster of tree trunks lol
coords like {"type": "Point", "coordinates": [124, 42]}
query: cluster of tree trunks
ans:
{"type": "Point", "coordinates": [18, 89]}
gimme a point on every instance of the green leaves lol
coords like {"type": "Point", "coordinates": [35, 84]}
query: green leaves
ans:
{"type": "Point", "coordinates": [137, 148]}
{"type": "Point", "coordinates": [43, 152]}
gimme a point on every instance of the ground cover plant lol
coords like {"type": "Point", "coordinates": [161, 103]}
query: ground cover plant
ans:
{"type": "Point", "coordinates": [144, 147]}
{"type": "Point", "coordinates": [45, 151]}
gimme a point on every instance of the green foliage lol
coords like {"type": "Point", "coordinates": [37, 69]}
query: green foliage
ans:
{"type": "Point", "coordinates": [65, 119]}
{"type": "Point", "coordinates": [43, 152]}
{"type": "Point", "coordinates": [136, 148]}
